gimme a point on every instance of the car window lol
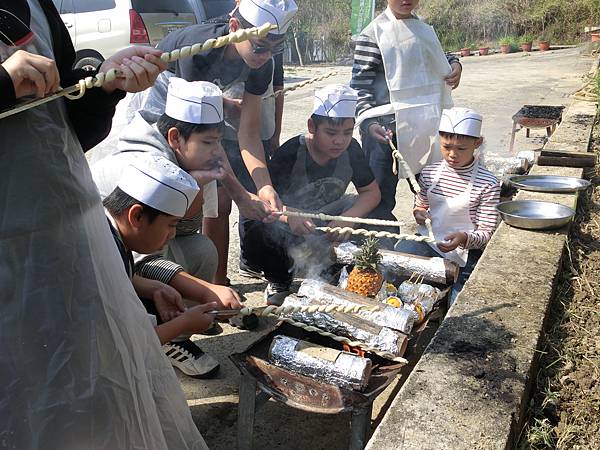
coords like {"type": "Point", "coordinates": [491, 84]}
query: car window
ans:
{"type": "Point", "coordinates": [215, 8]}
{"type": "Point", "coordinates": [64, 6]}
{"type": "Point", "coordinates": [83, 6]}
{"type": "Point", "coordinates": [161, 6]}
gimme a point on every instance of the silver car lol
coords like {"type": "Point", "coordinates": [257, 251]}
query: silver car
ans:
{"type": "Point", "coordinates": [100, 28]}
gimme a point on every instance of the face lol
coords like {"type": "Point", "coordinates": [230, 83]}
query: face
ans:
{"type": "Point", "coordinates": [458, 150]}
{"type": "Point", "coordinates": [142, 236]}
{"type": "Point", "coordinates": [331, 141]}
{"type": "Point", "coordinates": [402, 9]}
{"type": "Point", "coordinates": [201, 151]}
{"type": "Point", "coordinates": [256, 52]}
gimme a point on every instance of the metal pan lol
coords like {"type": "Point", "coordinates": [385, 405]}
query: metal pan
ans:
{"type": "Point", "coordinates": [548, 183]}
{"type": "Point", "coordinates": [535, 214]}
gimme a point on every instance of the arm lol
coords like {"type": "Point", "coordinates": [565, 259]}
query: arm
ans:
{"type": "Point", "coordinates": [166, 299]}
{"type": "Point", "coordinates": [278, 77]}
{"type": "Point", "coordinates": [486, 218]}
{"type": "Point", "coordinates": [194, 320]}
{"type": "Point", "coordinates": [421, 208]}
{"type": "Point", "coordinates": [201, 291]}
{"type": "Point", "coordinates": [453, 80]}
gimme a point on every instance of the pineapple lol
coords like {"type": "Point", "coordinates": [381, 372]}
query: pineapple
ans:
{"type": "Point", "coordinates": [364, 278]}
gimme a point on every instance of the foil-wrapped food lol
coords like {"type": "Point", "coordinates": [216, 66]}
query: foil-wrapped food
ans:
{"type": "Point", "coordinates": [386, 316]}
{"type": "Point", "coordinates": [397, 266]}
{"type": "Point", "coordinates": [321, 363]}
{"type": "Point", "coordinates": [349, 326]}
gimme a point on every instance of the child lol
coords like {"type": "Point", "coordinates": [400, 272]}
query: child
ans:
{"type": "Point", "coordinates": [312, 173]}
{"type": "Point", "coordinates": [458, 195]}
{"type": "Point", "coordinates": [188, 135]}
{"type": "Point", "coordinates": [143, 211]}
{"type": "Point", "coordinates": [401, 73]}
{"type": "Point", "coordinates": [245, 70]}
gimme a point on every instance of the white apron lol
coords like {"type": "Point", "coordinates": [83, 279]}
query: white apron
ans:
{"type": "Point", "coordinates": [449, 215]}
{"type": "Point", "coordinates": [80, 365]}
{"type": "Point", "coordinates": [415, 67]}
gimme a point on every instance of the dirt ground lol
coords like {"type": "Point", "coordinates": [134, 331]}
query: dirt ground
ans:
{"type": "Point", "coordinates": [565, 409]}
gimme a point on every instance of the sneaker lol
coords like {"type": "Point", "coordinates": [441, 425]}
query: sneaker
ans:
{"type": "Point", "coordinates": [249, 272]}
{"type": "Point", "coordinates": [275, 293]}
{"type": "Point", "coordinates": [190, 359]}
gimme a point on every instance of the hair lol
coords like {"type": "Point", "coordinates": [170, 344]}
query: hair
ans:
{"type": "Point", "coordinates": [119, 202]}
{"type": "Point", "coordinates": [245, 24]}
{"type": "Point", "coordinates": [186, 129]}
{"type": "Point", "coordinates": [447, 135]}
{"type": "Point", "coordinates": [331, 121]}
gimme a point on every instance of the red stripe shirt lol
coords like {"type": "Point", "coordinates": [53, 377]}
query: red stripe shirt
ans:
{"type": "Point", "coordinates": [485, 195]}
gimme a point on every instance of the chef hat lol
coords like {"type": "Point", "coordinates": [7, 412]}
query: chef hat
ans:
{"type": "Point", "coordinates": [157, 182]}
{"type": "Point", "coordinates": [335, 100]}
{"type": "Point", "coordinates": [194, 101]}
{"type": "Point", "coordinates": [463, 121]}
{"type": "Point", "coordinates": [275, 12]}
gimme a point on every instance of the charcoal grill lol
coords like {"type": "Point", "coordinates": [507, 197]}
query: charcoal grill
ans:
{"type": "Point", "coordinates": [261, 380]}
{"type": "Point", "coordinates": [536, 116]}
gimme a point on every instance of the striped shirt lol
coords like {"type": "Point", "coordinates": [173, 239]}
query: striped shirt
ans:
{"type": "Point", "coordinates": [485, 195]}
{"type": "Point", "coordinates": [368, 72]}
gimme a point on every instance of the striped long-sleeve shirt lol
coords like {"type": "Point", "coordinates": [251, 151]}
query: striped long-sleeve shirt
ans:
{"type": "Point", "coordinates": [368, 72]}
{"type": "Point", "coordinates": [485, 195]}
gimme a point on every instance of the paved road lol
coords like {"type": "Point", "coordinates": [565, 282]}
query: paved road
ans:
{"type": "Point", "coordinates": [496, 86]}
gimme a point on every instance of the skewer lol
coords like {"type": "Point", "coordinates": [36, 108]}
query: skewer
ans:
{"type": "Point", "coordinates": [78, 90]}
{"type": "Point", "coordinates": [328, 218]}
{"type": "Point", "coordinates": [398, 159]}
{"type": "Point", "coordinates": [376, 234]}
{"type": "Point", "coordinates": [302, 84]}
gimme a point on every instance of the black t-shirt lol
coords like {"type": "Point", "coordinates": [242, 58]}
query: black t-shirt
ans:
{"type": "Point", "coordinates": [284, 159]}
{"type": "Point", "coordinates": [211, 66]}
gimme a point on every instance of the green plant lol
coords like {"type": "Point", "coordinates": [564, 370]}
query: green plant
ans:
{"type": "Point", "coordinates": [527, 38]}
{"type": "Point", "coordinates": [506, 40]}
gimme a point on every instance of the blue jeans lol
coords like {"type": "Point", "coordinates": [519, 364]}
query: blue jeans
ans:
{"type": "Point", "coordinates": [423, 249]}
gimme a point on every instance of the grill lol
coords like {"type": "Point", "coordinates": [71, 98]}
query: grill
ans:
{"type": "Point", "coordinates": [536, 116]}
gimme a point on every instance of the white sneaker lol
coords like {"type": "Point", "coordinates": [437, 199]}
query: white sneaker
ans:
{"type": "Point", "coordinates": [190, 359]}
{"type": "Point", "coordinates": [275, 293]}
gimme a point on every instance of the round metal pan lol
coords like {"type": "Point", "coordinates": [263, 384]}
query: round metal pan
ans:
{"type": "Point", "coordinates": [535, 214]}
{"type": "Point", "coordinates": [548, 183]}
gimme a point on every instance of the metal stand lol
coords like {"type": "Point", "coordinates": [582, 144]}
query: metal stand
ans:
{"type": "Point", "coordinates": [251, 400]}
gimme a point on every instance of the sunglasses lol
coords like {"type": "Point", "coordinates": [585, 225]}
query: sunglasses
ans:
{"type": "Point", "coordinates": [259, 47]}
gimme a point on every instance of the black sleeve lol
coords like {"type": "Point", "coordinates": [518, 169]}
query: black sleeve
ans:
{"type": "Point", "coordinates": [362, 175]}
{"type": "Point", "coordinates": [259, 79]}
{"type": "Point", "coordinates": [278, 71]}
{"type": "Point", "coordinates": [281, 164]}
{"type": "Point", "coordinates": [7, 90]}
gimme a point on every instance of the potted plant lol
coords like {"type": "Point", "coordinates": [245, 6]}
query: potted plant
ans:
{"type": "Point", "coordinates": [506, 44]}
{"type": "Point", "coordinates": [526, 42]}
{"type": "Point", "coordinates": [465, 51]}
{"type": "Point", "coordinates": [483, 50]}
{"type": "Point", "coordinates": [595, 36]}
{"type": "Point", "coordinates": [544, 43]}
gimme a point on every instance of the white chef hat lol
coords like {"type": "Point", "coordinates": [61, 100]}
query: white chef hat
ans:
{"type": "Point", "coordinates": [463, 121]}
{"type": "Point", "coordinates": [157, 182]}
{"type": "Point", "coordinates": [275, 12]}
{"type": "Point", "coordinates": [194, 101]}
{"type": "Point", "coordinates": [335, 100]}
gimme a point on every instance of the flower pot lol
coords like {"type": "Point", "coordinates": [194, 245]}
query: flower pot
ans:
{"type": "Point", "coordinates": [544, 46]}
{"type": "Point", "coordinates": [505, 48]}
{"type": "Point", "coordinates": [483, 51]}
{"type": "Point", "coordinates": [595, 37]}
{"type": "Point", "coordinates": [465, 52]}
{"type": "Point", "coordinates": [526, 46]}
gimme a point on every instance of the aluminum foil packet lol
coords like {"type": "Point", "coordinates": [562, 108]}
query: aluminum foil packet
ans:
{"type": "Point", "coordinates": [321, 363]}
{"type": "Point", "coordinates": [385, 315]}
{"type": "Point", "coordinates": [343, 281]}
{"type": "Point", "coordinates": [349, 326]}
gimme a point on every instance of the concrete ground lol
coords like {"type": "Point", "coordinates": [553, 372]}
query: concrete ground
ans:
{"type": "Point", "coordinates": [496, 86]}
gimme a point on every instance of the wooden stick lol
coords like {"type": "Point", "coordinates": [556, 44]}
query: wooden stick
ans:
{"type": "Point", "coordinates": [328, 218]}
{"type": "Point", "coordinates": [302, 84]}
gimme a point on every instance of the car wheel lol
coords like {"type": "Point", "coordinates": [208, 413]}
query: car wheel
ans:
{"type": "Point", "coordinates": [90, 63]}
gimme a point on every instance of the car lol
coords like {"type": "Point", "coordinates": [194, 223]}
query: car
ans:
{"type": "Point", "coordinates": [100, 28]}
{"type": "Point", "coordinates": [209, 9]}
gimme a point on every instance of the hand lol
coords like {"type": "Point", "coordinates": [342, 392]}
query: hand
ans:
{"type": "Point", "coordinates": [268, 194]}
{"type": "Point", "coordinates": [300, 226]}
{"type": "Point", "coordinates": [168, 302]}
{"type": "Point", "coordinates": [140, 65]}
{"type": "Point", "coordinates": [379, 133]}
{"type": "Point", "coordinates": [254, 208]}
{"type": "Point", "coordinates": [203, 177]}
{"type": "Point", "coordinates": [339, 237]}
{"type": "Point", "coordinates": [453, 80]}
{"type": "Point", "coordinates": [453, 241]}
{"type": "Point", "coordinates": [421, 215]}
{"type": "Point", "coordinates": [224, 297]}
{"type": "Point", "coordinates": [195, 319]}
{"type": "Point", "coordinates": [32, 74]}
{"type": "Point", "coordinates": [232, 107]}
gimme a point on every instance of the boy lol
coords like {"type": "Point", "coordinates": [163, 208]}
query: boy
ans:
{"type": "Point", "coordinates": [401, 72]}
{"type": "Point", "coordinates": [246, 67]}
{"type": "Point", "coordinates": [188, 135]}
{"type": "Point", "coordinates": [312, 173]}
{"type": "Point", "coordinates": [143, 211]}
{"type": "Point", "coordinates": [458, 195]}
